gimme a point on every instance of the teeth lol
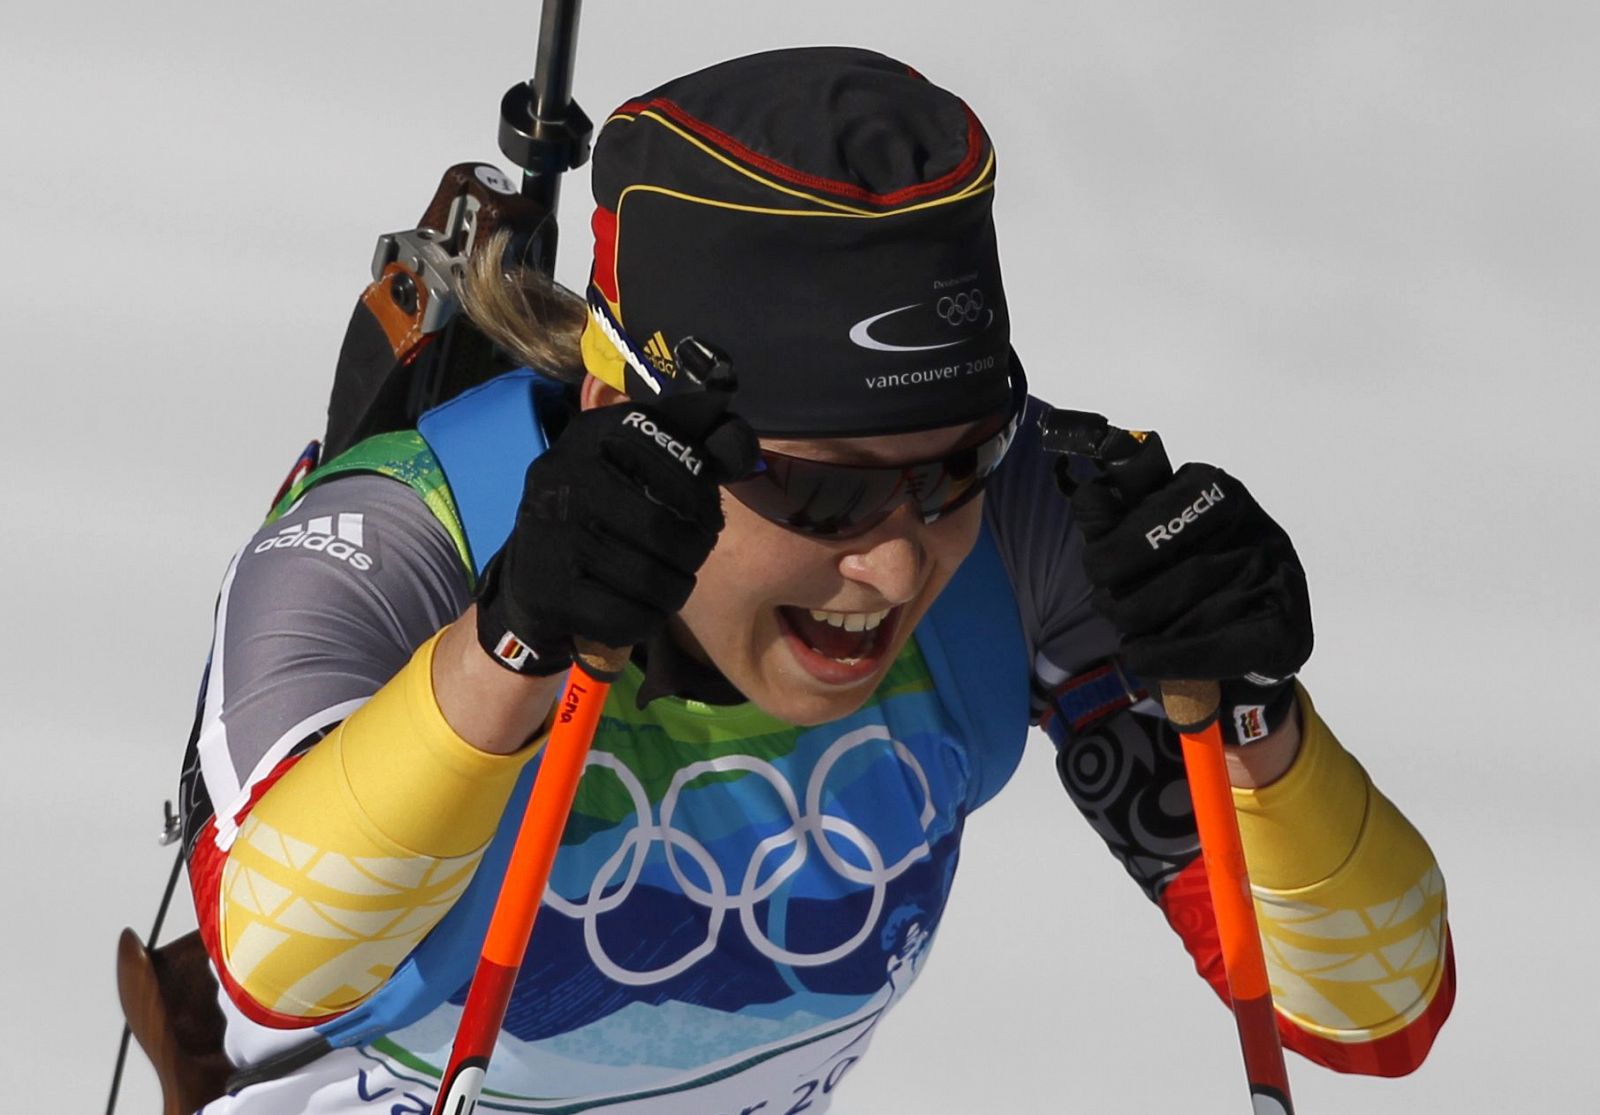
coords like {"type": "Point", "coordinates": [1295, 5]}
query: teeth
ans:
{"type": "Point", "coordinates": [850, 621]}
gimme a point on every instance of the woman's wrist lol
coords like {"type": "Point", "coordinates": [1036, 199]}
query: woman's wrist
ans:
{"type": "Point", "coordinates": [490, 707]}
{"type": "Point", "coordinates": [1268, 759]}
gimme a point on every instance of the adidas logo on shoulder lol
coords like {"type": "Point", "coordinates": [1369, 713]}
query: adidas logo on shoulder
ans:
{"type": "Point", "coordinates": [343, 541]}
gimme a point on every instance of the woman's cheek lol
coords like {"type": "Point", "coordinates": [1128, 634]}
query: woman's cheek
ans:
{"type": "Point", "coordinates": [950, 539]}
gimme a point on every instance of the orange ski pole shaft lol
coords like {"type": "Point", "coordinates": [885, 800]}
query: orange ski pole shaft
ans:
{"type": "Point", "coordinates": [527, 874]}
{"type": "Point", "coordinates": [1137, 464]}
{"type": "Point", "coordinates": [1194, 704]}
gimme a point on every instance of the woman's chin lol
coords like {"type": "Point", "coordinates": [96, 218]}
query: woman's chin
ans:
{"type": "Point", "coordinates": [786, 690]}
{"type": "Point", "coordinates": [808, 709]}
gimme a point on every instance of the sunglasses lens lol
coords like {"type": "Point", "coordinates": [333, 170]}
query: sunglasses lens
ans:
{"type": "Point", "coordinates": [829, 500]}
{"type": "Point", "coordinates": [836, 501]}
{"type": "Point", "coordinates": [816, 498]}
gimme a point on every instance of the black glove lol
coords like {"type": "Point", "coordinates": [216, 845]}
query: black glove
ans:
{"type": "Point", "coordinates": [1200, 581]}
{"type": "Point", "coordinates": [615, 520]}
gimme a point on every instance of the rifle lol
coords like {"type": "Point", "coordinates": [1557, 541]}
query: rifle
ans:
{"type": "Point", "coordinates": [407, 348]}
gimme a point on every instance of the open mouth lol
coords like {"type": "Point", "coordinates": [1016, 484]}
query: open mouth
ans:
{"type": "Point", "coordinates": [837, 647]}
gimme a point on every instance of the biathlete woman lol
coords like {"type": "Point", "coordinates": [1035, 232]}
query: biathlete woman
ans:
{"type": "Point", "coordinates": [850, 585]}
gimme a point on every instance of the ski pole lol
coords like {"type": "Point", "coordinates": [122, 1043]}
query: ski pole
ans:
{"type": "Point", "coordinates": [549, 804]}
{"type": "Point", "coordinates": [527, 874]}
{"type": "Point", "coordinates": [544, 132]}
{"type": "Point", "coordinates": [1192, 708]}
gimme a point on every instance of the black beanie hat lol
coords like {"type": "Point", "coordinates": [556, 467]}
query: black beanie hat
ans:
{"type": "Point", "coordinates": [820, 215]}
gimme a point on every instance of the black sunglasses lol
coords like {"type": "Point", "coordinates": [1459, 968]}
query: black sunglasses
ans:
{"type": "Point", "coordinates": [818, 497]}
{"type": "Point", "coordinates": [838, 501]}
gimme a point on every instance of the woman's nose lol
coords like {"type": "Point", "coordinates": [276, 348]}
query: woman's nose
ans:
{"type": "Point", "coordinates": [890, 558]}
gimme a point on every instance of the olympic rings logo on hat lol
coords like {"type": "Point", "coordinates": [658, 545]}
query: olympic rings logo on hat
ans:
{"type": "Point", "coordinates": [807, 826]}
{"type": "Point", "coordinates": [965, 307]}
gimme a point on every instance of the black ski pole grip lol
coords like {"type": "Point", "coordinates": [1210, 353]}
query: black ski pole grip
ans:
{"type": "Point", "coordinates": [1135, 461]}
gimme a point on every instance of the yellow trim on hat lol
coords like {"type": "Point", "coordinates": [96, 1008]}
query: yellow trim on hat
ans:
{"type": "Point", "coordinates": [763, 211]}
{"type": "Point", "coordinates": [983, 181]}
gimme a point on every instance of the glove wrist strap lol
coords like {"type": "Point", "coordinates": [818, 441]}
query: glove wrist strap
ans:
{"type": "Point", "coordinates": [535, 658]}
{"type": "Point", "coordinates": [1250, 711]}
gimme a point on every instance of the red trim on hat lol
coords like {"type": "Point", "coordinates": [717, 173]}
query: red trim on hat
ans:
{"type": "Point", "coordinates": [604, 276]}
{"type": "Point", "coordinates": [812, 181]}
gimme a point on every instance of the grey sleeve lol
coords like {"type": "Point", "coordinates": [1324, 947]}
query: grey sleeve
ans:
{"type": "Point", "coordinates": [316, 612]}
{"type": "Point", "coordinates": [1125, 771]}
{"type": "Point", "coordinates": [1043, 552]}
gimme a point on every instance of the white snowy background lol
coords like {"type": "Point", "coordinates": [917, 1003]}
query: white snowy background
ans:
{"type": "Point", "coordinates": [1346, 250]}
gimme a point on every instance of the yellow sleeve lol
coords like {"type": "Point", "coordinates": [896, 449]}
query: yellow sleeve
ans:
{"type": "Point", "coordinates": [1350, 901]}
{"type": "Point", "coordinates": [358, 850]}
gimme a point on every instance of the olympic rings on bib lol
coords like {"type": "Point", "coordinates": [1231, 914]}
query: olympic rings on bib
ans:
{"type": "Point", "coordinates": [807, 825]}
